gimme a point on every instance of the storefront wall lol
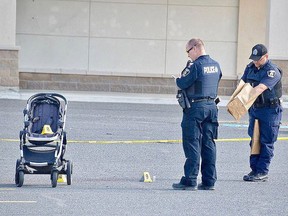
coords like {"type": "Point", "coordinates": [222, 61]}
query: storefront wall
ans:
{"type": "Point", "coordinates": [126, 37]}
{"type": "Point", "coordinates": [132, 41]}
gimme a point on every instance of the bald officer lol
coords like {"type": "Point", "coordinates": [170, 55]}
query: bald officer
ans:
{"type": "Point", "coordinates": [200, 120]}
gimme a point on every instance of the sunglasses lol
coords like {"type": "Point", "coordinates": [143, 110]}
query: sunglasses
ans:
{"type": "Point", "coordinates": [190, 49]}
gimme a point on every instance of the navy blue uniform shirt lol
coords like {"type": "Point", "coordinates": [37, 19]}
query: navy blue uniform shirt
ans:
{"type": "Point", "coordinates": [268, 74]}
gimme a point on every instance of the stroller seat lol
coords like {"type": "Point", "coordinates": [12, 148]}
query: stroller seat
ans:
{"type": "Point", "coordinates": [45, 112]}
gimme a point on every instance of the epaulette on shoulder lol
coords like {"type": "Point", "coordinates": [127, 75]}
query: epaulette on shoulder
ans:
{"type": "Point", "coordinates": [250, 64]}
{"type": "Point", "coordinates": [280, 70]}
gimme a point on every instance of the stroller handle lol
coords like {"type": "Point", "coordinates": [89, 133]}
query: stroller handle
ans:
{"type": "Point", "coordinates": [47, 95]}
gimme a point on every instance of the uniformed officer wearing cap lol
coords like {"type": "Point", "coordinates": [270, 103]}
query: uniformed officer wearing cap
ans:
{"type": "Point", "coordinates": [200, 120]}
{"type": "Point", "coordinates": [265, 78]}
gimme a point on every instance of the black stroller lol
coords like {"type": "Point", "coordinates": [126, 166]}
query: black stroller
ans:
{"type": "Point", "coordinates": [44, 129]}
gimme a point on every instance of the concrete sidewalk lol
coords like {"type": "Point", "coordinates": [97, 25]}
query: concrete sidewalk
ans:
{"type": "Point", "coordinates": [88, 96]}
{"type": "Point", "coordinates": [108, 97]}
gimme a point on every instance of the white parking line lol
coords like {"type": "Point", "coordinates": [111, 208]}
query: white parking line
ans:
{"type": "Point", "coordinates": [18, 201]}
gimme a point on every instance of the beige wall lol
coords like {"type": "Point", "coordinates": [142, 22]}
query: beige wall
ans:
{"type": "Point", "coordinates": [124, 37]}
{"type": "Point", "coordinates": [252, 29]}
{"type": "Point", "coordinates": [262, 21]}
{"type": "Point", "coordinates": [278, 30]}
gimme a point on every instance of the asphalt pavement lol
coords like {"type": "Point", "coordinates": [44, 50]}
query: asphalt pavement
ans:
{"type": "Point", "coordinates": [113, 138]}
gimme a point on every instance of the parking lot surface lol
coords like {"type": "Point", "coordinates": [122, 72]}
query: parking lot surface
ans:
{"type": "Point", "coordinates": [113, 140]}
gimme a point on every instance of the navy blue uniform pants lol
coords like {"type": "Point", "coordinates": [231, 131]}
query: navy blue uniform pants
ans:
{"type": "Point", "coordinates": [269, 123]}
{"type": "Point", "coordinates": [199, 129]}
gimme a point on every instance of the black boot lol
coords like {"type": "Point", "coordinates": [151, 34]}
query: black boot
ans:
{"type": "Point", "coordinates": [184, 185]}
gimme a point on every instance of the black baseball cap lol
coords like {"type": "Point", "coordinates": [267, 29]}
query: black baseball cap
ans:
{"type": "Point", "coordinates": [257, 52]}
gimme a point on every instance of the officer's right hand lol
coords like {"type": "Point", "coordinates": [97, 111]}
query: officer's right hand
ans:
{"type": "Point", "coordinates": [188, 63]}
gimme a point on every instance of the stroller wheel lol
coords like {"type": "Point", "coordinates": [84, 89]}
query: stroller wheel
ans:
{"type": "Point", "coordinates": [54, 177]}
{"type": "Point", "coordinates": [19, 178]}
{"type": "Point", "coordinates": [69, 172]}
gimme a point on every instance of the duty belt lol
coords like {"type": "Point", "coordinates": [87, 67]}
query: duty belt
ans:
{"type": "Point", "coordinates": [201, 99]}
{"type": "Point", "coordinates": [272, 103]}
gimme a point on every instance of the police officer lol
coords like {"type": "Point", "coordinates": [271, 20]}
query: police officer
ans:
{"type": "Point", "coordinates": [200, 120]}
{"type": "Point", "coordinates": [265, 77]}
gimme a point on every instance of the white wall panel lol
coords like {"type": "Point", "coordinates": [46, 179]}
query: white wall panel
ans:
{"type": "Point", "coordinates": [128, 20]}
{"type": "Point", "coordinates": [7, 26]}
{"type": "Point", "coordinates": [53, 54]}
{"type": "Point", "coordinates": [53, 17]}
{"type": "Point", "coordinates": [225, 3]}
{"type": "Point", "coordinates": [127, 56]}
{"type": "Point", "coordinates": [134, 1]}
{"type": "Point", "coordinates": [123, 37]}
{"type": "Point", "coordinates": [208, 23]}
{"type": "Point", "coordinates": [223, 52]}
{"type": "Point", "coordinates": [176, 57]}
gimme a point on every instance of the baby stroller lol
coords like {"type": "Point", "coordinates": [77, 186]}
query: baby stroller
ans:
{"type": "Point", "coordinates": [43, 139]}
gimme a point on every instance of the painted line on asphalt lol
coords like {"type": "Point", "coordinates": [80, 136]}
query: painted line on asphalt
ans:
{"type": "Point", "coordinates": [7, 189]}
{"type": "Point", "coordinates": [104, 142]}
{"type": "Point", "coordinates": [17, 201]}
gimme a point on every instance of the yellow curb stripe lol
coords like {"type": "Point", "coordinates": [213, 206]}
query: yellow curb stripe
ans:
{"type": "Point", "coordinates": [122, 141]}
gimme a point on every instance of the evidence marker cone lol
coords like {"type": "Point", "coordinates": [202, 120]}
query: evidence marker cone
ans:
{"type": "Point", "coordinates": [146, 177]}
{"type": "Point", "coordinates": [46, 130]}
{"type": "Point", "coordinates": [61, 178]}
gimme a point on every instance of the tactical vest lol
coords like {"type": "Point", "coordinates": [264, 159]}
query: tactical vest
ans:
{"type": "Point", "coordinates": [254, 79]}
{"type": "Point", "coordinates": [206, 85]}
